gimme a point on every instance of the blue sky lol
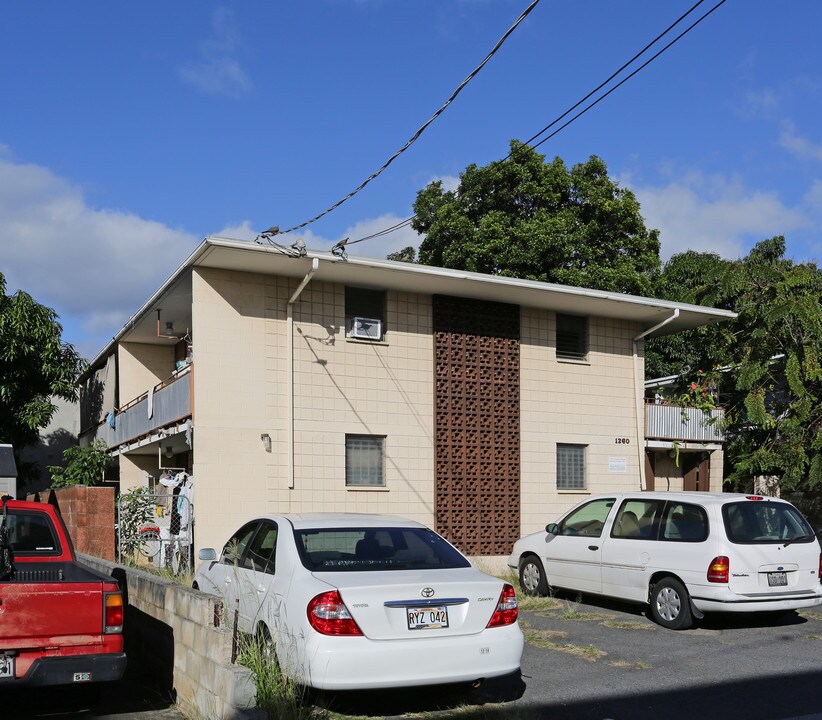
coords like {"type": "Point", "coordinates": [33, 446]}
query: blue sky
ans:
{"type": "Point", "coordinates": [130, 131]}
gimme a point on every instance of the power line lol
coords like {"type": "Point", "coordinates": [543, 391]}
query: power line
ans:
{"type": "Point", "coordinates": [419, 132]}
{"type": "Point", "coordinates": [408, 221]}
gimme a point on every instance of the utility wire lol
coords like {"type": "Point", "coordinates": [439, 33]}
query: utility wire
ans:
{"type": "Point", "coordinates": [408, 221]}
{"type": "Point", "coordinates": [422, 129]}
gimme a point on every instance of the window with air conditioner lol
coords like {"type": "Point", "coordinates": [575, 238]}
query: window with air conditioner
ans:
{"type": "Point", "coordinates": [364, 313]}
{"type": "Point", "coordinates": [572, 337]}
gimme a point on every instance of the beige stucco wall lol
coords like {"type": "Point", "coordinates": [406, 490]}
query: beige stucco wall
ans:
{"type": "Point", "coordinates": [589, 403]}
{"type": "Point", "coordinates": [142, 366]}
{"type": "Point", "coordinates": [133, 469]}
{"type": "Point", "coordinates": [340, 386]}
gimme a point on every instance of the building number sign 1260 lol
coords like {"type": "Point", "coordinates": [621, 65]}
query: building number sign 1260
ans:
{"type": "Point", "coordinates": [622, 441]}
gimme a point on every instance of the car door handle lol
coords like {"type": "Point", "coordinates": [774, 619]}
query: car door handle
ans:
{"type": "Point", "coordinates": [227, 580]}
{"type": "Point", "coordinates": [593, 547]}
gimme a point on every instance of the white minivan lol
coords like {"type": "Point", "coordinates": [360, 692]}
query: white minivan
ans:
{"type": "Point", "coordinates": [684, 553]}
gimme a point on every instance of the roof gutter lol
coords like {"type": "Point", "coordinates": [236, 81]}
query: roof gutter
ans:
{"type": "Point", "coordinates": [640, 400]}
{"type": "Point", "coordinates": [289, 319]}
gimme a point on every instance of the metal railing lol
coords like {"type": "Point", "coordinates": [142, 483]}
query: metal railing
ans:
{"type": "Point", "coordinates": [673, 422]}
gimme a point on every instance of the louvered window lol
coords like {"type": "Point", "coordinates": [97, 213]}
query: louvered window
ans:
{"type": "Point", "coordinates": [572, 337]}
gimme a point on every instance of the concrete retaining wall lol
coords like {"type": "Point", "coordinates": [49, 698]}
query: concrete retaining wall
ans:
{"type": "Point", "coordinates": [176, 636]}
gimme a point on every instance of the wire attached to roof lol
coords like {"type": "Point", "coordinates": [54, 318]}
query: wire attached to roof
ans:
{"type": "Point", "coordinates": [276, 230]}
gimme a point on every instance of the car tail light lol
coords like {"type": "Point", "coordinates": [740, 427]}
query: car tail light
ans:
{"type": "Point", "coordinates": [507, 611]}
{"type": "Point", "coordinates": [719, 570]}
{"type": "Point", "coordinates": [754, 497]}
{"type": "Point", "coordinates": [113, 612]}
{"type": "Point", "coordinates": [328, 615]}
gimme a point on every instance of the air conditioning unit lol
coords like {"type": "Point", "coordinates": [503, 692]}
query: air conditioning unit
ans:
{"type": "Point", "coordinates": [365, 328]}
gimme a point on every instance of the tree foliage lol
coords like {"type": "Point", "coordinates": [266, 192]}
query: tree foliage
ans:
{"type": "Point", "coordinates": [771, 355]}
{"type": "Point", "coordinates": [35, 366]}
{"type": "Point", "coordinates": [525, 218]}
{"type": "Point", "coordinates": [83, 466]}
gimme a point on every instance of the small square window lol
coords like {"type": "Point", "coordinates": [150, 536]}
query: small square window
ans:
{"type": "Point", "coordinates": [571, 467]}
{"type": "Point", "coordinates": [364, 313]}
{"type": "Point", "coordinates": [364, 461]}
{"type": "Point", "coordinates": [572, 337]}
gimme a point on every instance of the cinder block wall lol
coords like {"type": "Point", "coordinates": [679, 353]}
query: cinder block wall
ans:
{"type": "Point", "coordinates": [89, 516]}
{"type": "Point", "coordinates": [176, 635]}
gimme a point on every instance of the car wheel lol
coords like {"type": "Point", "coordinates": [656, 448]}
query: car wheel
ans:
{"type": "Point", "coordinates": [532, 576]}
{"type": "Point", "coordinates": [670, 604]}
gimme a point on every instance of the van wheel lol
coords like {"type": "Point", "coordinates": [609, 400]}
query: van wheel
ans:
{"type": "Point", "coordinates": [532, 576]}
{"type": "Point", "coordinates": [670, 605]}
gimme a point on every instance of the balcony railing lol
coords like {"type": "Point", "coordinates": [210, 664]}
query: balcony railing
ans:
{"type": "Point", "coordinates": [170, 403]}
{"type": "Point", "coordinates": [672, 422]}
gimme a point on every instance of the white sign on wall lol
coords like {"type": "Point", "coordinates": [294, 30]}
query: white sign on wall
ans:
{"type": "Point", "coordinates": [617, 464]}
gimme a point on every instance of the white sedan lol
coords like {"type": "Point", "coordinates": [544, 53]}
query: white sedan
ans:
{"type": "Point", "coordinates": [357, 601]}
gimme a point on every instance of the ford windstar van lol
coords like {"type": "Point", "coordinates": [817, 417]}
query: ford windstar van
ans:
{"type": "Point", "coordinates": [683, 553]}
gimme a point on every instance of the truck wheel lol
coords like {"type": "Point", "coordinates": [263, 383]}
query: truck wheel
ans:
{"type": "Point", "coordinates": [532, 576]}
{"type": "Point", "coordinates": [670, 604]}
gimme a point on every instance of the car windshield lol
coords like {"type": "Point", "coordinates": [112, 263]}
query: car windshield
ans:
{"type": "Point", "coordinates": [755, 522]}
{"type": "Point", "coordinates": [372, 549]}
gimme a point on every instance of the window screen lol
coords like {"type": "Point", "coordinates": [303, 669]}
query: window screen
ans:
{"type": "Point", "coordinates": [364, 461]}
{"type": "Point", "coordinates": [571, 467]}
{"type": "Point", "coordinates": [572, 337]}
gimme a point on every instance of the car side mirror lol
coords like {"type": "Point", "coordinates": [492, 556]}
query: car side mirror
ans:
{"type": "Point", "coordinates": [207, 554]}
{"type": "Point", "coordinates": [552, 529]}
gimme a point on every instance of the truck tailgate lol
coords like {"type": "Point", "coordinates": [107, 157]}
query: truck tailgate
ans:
{"type": "Point", "coordinates": [44, 615]}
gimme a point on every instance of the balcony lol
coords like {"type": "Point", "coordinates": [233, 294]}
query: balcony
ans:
{"type": "Point", "coordinates": [170, 404]}
{"type": "Point", "coordinates": [683, 424]}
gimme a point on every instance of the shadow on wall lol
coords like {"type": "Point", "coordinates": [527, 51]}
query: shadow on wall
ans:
{"type": "Point", "coordinates": [35, 459]}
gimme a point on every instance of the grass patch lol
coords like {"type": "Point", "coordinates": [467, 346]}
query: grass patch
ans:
{"type": "Point", "coordinates": [537, 604]}
{"type": "Point", "coordinates": [813, 637]}
{"type": "Point", "coordinates": [625, 665]}
{"type": "Point", "coordinates": [572, 612]}
{"type": "Point", "coordinates": [279, 697]}
{"type": "Point", "coordinates": [627, 625]}
{"type": "Point", "coordinates": [810, 614]}
{"type": "Point", "coordinates": [547, 640]}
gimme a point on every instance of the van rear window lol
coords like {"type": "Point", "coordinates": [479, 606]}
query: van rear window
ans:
{"type": "Point", "coordinates": [753, 523]}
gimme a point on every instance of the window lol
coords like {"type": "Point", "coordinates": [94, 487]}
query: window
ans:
{"type": "Point", "coordinates": [588, 520]}
{"type": "Point", "coordinates": [683, 522]}
{"type": "Point", "coordinates": [234, 548]}
{"type": "Point", "coordinates": [753, 522]}
{"type": "Point", "coordinates": [572, 337]}
{"type": "Point", "coordinates": [638, 519]}
{"type": "Point", "coordinates": [261, 551]}
{"type": "Point", "coordinates": [364, 313]}
{"type": "Point", "coordinates": [364, 461]}
{"type": "Point", "coordinates": [31, 533]}
{"type": "Point", "coordinates": [570, 467]}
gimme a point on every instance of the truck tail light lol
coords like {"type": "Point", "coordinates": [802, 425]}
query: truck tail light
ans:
{"type": "Point", "coordinates": [328, 615]}
{"type": "Point", "coordinates": [113, 612]}
{"type": "Point", "coordinates": [507, 609]}
{"type": "Point", "coordinates": [719, 570]}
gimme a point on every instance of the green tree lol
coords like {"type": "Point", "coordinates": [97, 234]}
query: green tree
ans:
{"type": "Point", "coordinates": [35, 367]}
{"type": "Point", "coordinates": [525, 218]}
{"type": "Point", "coordinates": [771, 381]}
{"type": "Point", "coordinates": [83, 466]}
{"type": "Point", "coordinates": [688, 278]}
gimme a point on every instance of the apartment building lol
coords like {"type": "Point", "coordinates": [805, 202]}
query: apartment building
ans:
{"type": "Point", "coordinates": [480, 405]}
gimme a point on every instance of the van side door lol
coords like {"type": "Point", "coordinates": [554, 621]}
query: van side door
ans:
{"type": "Point", "coordinates": [572, 556]}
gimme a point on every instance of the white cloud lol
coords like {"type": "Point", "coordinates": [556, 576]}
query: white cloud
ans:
{"type": "Point", "coordinates": [800, 146]}
{"type": "Point", "coordinates": [715, 214]}
{"type": "Point", "coordinates": [449, 182]}
{"type": "Point", "coordinates": [218, 72]}
{"type": "Point", "coordinates": [96, 266]}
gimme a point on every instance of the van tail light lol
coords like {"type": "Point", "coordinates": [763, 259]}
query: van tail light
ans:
{"type": "Point", "coordinates": [507, 610]}
{"type": "Point", "coordinates": [113, 612]}
{"type": "Point", "coordinates": [719, 570]}
{"type": "Point", "coordinates": [328, 615]}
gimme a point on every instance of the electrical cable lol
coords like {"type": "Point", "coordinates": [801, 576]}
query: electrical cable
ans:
{"type": "Point", "coordinates": [420, 131]}
{"type": "Point", "coordinates": [591, 105]}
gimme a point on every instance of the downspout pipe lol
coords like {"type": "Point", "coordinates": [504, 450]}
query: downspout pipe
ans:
{"type": "Point", "coordinates": [639, 399]}
{"type": "Point", "coordinates": [289, 321]}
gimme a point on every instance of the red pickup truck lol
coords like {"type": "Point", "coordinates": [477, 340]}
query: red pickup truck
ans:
{"type": "Point", "coordinates": [61, 622]}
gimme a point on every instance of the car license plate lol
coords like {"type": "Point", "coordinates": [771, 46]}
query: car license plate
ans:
{"type": "Point", "coordinates": [776, 579]}
{"type": "Point", "coordinates": [6, 666]}
{"type": "Point", "coordinates": [429, 618]}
